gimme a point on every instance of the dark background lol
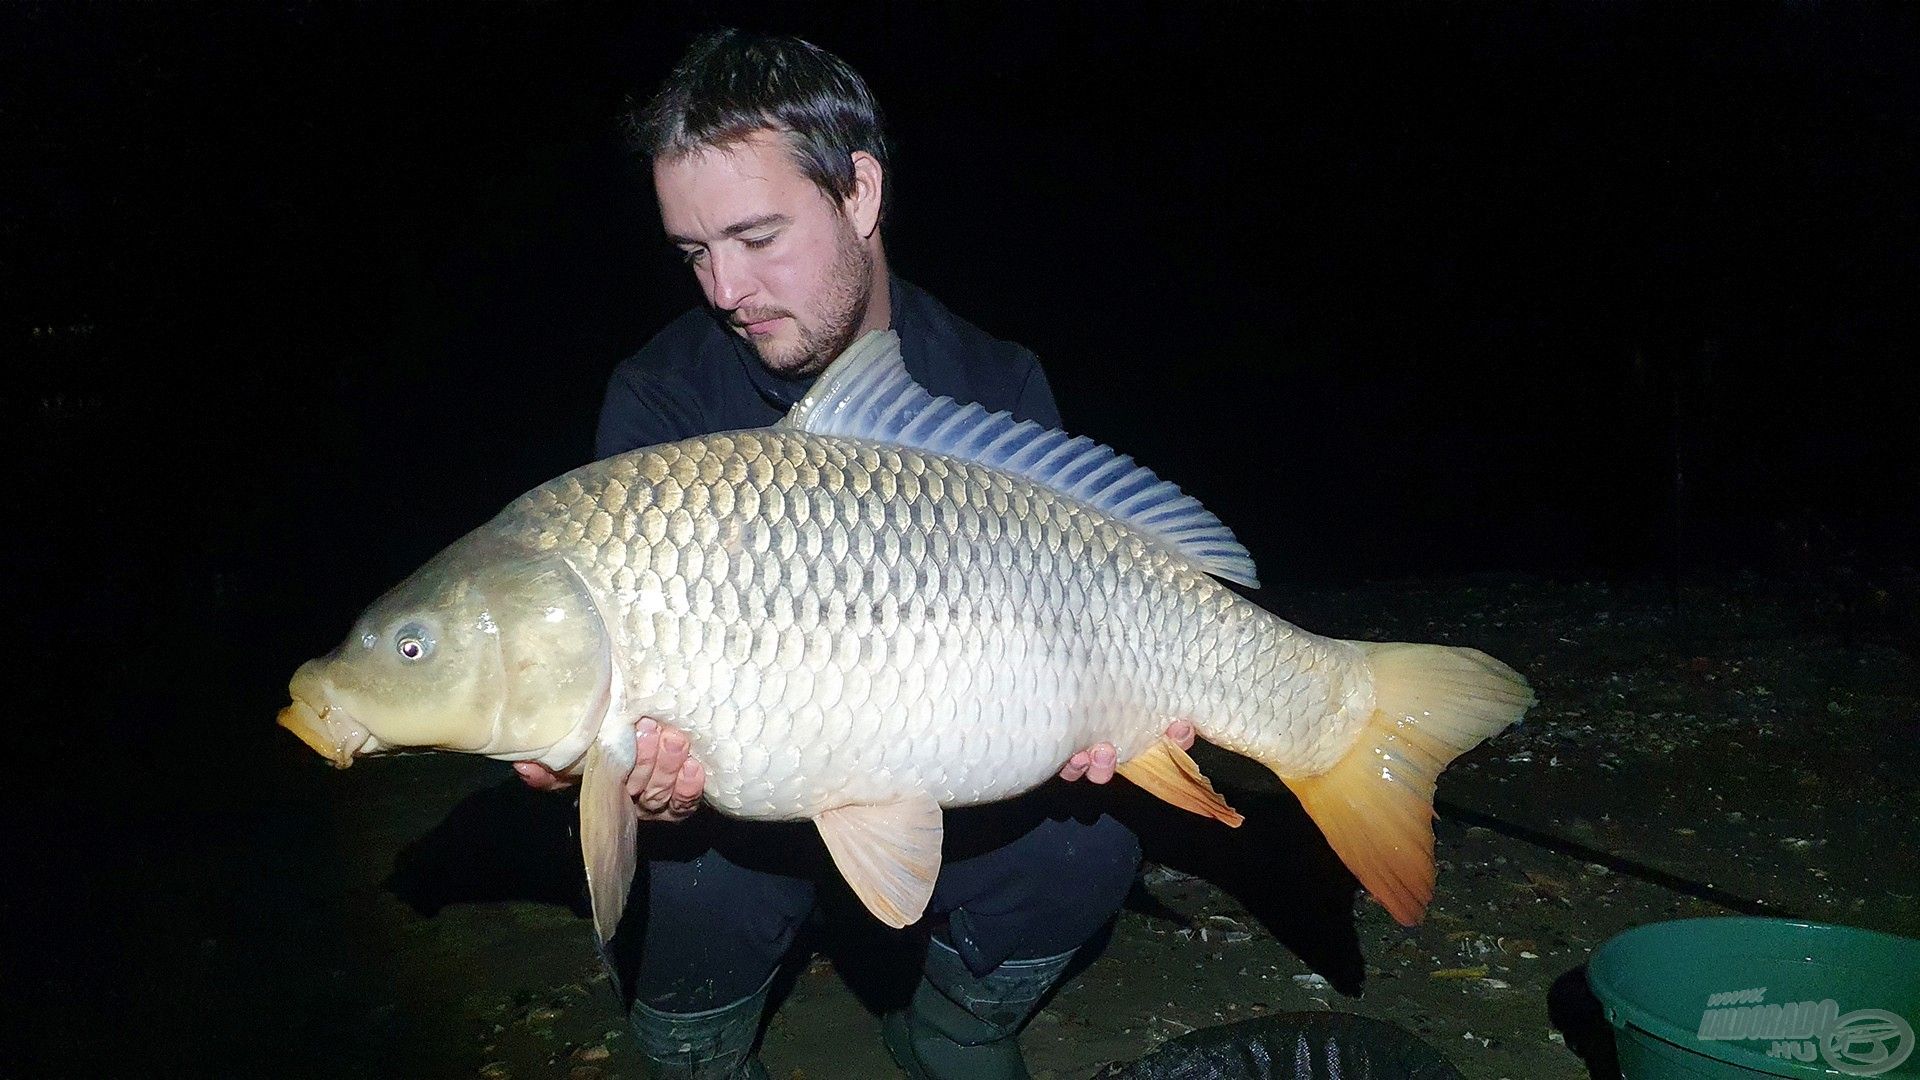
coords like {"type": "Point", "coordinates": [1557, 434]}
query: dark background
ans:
{"type": "Point", "coordinates": [298, 293]}
{"type": "Point", "coordinates": [292, 295]}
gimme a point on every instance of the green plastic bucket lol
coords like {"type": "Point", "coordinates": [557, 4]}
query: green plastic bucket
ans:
{"type": "Point", "coordinates": [1716, 999]}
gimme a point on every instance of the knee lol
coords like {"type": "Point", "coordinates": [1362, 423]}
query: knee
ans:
{"type": "Point", "coordinates": [712, 933]}
{"type": "Point", "coordinates": [1047, 894]}
{"type": "Point", "coordinates": [710, 895]}
{"type": "Point", "coordinates": [1081, 865]}
{"type": "Point", "coordinates": [1099, 860]}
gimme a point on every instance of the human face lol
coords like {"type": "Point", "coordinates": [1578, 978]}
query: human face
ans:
{"type": "Point", "coordinates": [791, 269]}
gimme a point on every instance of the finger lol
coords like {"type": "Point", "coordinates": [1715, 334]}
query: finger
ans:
{"type": "Point", "coordinates": [667, 766]}
{"type": "Point", "coordinates": [689, 783]}
{"type": "Point", "coordinates": [667, 763]}
{"type": "Point", "coordinates": [658, 796]}
{"type": "Point", "coordinates": [537, 776]}
{"type": "Point", "coordinates": [1101, 769]}
{"type": "Point", "coordinates": [1180, 731]}
{"type": "Point", "coordinates": [646, 749]}
{"type": "Point", "coordinates": [1076, 766]}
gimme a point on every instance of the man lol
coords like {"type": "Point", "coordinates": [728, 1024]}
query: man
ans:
{"type": "Point", "coordinates": [770, 168]}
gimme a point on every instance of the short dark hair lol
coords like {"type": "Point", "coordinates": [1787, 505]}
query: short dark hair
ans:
{"type": "Point", "coordinates": [730, 84]}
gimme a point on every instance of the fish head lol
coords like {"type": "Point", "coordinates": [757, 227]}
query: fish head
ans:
{"type": "Point", "coordinates": [486, 649]}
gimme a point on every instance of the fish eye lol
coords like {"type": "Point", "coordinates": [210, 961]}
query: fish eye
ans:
{"type": "Point", "coordinates": [412, 642]}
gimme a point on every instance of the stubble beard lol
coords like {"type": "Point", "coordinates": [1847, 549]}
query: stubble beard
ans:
{"type": "Point", "coordinates": [849, 289]}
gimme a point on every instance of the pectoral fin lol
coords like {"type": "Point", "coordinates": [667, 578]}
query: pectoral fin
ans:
{"type": "Point", "coordinates": [889, 853]}
{"type": "Point", "coordinates": [607, 830]}
{"type": "Point", "coordinates": [1168, 773]}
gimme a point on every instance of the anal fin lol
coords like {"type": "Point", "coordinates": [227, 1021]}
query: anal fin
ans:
{"type": "Point", "coordinates": [889, 853]}
{"type": "Point", "coordinates": [608, 828]}
{"type": "Point", "coordinates": [1166, 772]}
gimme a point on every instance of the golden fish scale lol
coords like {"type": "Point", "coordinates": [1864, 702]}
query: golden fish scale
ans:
{"type": "Point", "coordinates": [833, 621]}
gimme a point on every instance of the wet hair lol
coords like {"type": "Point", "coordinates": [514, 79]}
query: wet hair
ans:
{"type": "Point", "coordinates": [731, 84]}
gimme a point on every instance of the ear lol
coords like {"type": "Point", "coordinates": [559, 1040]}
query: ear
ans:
{"type": "Point", "coordinates": [869, 184]}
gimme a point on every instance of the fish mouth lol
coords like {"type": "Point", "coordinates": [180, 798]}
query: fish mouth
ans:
{"type": "Point", "coordinates": [331, 731]}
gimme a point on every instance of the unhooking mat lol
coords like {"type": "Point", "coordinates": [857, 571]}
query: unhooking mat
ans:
{"type": "Point", "coordinates": [1291, 1046]}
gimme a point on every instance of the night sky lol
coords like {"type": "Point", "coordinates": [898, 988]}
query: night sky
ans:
{"type": "Point", "coordinates": [295, 294]}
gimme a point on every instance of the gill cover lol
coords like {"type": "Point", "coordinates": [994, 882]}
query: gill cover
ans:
{"type": "Point", "coordinates": [555, 660]}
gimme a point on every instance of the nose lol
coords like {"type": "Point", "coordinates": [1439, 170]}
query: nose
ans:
{"type": "Point", "coordinates": [728, 282]}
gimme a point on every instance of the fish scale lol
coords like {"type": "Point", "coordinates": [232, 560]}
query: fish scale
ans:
{"type": "Point", "coordinates": [1073, 628]}
{"type": "Point", "coordinates": [887, 604]}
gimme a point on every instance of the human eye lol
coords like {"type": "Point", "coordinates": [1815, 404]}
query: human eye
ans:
{"type": "Point", "coordinates": [692, 255]}
{"type": "Point", "coordinates": [758, 242]}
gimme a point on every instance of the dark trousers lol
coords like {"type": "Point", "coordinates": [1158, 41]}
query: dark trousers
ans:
{"type": "Point", "coordinates": [1019, 880]}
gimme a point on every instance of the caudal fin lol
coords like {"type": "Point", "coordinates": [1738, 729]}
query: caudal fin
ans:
{"type": "Point", "coordinates": [1432, 703]}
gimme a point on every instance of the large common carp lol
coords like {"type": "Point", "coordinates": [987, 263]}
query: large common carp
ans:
{"type": "Point", "coordinates": [886, 604]}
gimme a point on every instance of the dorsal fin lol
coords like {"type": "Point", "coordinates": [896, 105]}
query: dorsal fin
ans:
{"type": "Point", "coordinates": [867, 394]}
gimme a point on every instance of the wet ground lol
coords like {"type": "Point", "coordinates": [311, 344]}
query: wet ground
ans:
{"type": "Point", "coordinates": [241, 910]}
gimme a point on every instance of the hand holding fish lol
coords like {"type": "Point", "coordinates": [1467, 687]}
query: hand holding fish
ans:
{"type": "Point", "coordinates": [665, 783]}
{"type": "Point", "coordinates": [1097, 762]}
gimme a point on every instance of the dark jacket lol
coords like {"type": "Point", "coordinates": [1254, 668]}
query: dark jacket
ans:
{"type": "Point", "coordinates": [697, 376]}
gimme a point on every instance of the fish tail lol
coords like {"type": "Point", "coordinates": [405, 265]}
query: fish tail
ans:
{"type": "Point", "coordinates": [1432, 703]}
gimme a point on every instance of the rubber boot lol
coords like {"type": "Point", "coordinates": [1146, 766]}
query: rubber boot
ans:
{"type": "Point", "coordinates": [962, 1027]}
{"type": "Point", "coordinates": [712, 1045]}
